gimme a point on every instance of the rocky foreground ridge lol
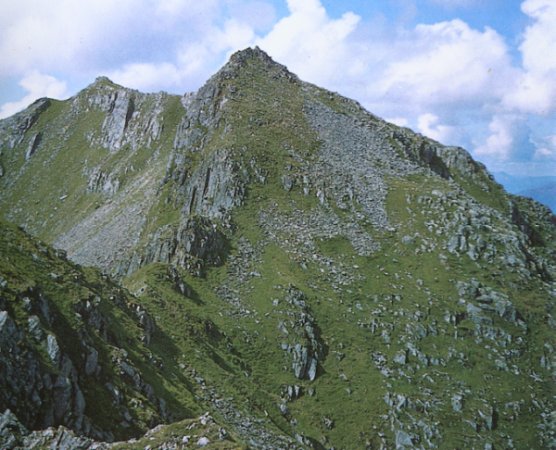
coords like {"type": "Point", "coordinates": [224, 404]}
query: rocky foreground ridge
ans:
{"type": "Point", "coordinates": [263, 263]}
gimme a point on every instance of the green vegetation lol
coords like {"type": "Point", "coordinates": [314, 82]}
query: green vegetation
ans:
{"type": "Point", "coordinates": [440, 335]}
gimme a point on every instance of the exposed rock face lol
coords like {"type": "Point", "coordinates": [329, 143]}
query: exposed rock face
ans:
{"type": "Point", "coordinates": [13, 129]}
{"type": "Point", "coordinates": [306, 348]}
{"type": "Point", "coordinates": [126, 120]}
{"type": "Point", "coordinates": [33, 145]}
{"type": "Point", "coordinates": [41, 398]}
{"type": "Point", "coordinates": [54, 363]}
{"type": "Point", "coordinates": [100, 181]}
{"type": "Point", "coordinates": [194, 245]}
{"type": "Point", "coordinates": [288, 252]}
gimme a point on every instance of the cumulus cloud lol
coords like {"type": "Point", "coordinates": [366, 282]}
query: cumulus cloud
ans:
{"type": "Point", "coordinates": [191, 62]}
{"type": "Point", "coordinates": [36, 85]}
{"type": "Point", "coordinates": [450, 81]}
{"type": "Point", "coordinates": [399, 121]}
{"type": "Point", "coordinates": [546, 149]}
{"type": "Point", "coordinates": [311, 43]}
{"type": "Point", "coordinates": [536, 88]}
{"type": "Point", "coordinates": [510, 139]}
{"type": "Point", "coordinates": [447, 63]}
{"type": "Point", "coordinates": [429, 124]}
{"type": "Point", "coordinates": [500, 142]}
{"type": "Point", "coordinates": [533, 93]}
{"type": "Point", "coordinates": [38, 35]}
{"type": "Point", "coordinates": [93, 35]}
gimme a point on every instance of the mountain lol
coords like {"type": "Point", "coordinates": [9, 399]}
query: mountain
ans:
{"type": "Point", "coordinates": [265, 264]}
{"type": "Point", "coordinates": [542, 189]}
{"type": "Point", "coordinates": [545, 194]}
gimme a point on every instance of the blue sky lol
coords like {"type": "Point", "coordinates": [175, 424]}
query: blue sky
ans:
{"type": "Point", "coordinates": [475, 73]}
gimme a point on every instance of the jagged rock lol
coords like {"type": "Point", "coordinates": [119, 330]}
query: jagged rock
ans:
{"type": "Point", "coordinates": [33, 145]}
{"type": "Point", "coordinates": [287, 182]}
{"type": "Point", "coordinates": [307, 353]}
{"type": "Point", "coordinates": [34, 327]}
{"type": "Point", "coordinates": [179, 284]}
{"type": "Point", "coordinates": [457, 402]}
{"type": "Point", "coordinates": [102, 182]}
{"type": "Point", "coordinates": [53, 349]}
{"type": "Point", "coordinates": [60, 439]}
{"type": "Point", "coordinates": [400, 357]}
{"type": "Point", "coordinates": [196, 244]}
{"type": "Point", "coordinates": [489, 418]}
{"type": "Point", "coordinates": [328, 422]}
{"type": "Point", "coordinates": [120, 105]}
{"type": "Point", "coordinates": [25, 379]}
{"type": "Point", "coordinates": [403, 440]}
{"type": "Point", "coordinates": [290, 392]}
{"type": "Point", "coordinates": [91, 363]}
{"type": "Point", "coordinates": [13, 129]}
{"type": "Point", "coordinates": [203, 441]}
{"type": "Point", "coordinates": [147, 324]}
{"type": "Point", "coordinates": [11, 431]}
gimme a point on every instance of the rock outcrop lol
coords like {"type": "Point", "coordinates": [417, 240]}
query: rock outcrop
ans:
{"type": "Point", "coordinates": [59, 353]}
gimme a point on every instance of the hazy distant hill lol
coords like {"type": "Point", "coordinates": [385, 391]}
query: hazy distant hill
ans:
{"type": "Point", "coordinates": [273, 267]}
{"type": "Point", "coordinates": [542, 189]}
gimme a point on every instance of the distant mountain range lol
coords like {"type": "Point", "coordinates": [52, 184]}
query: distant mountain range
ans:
{"type": "Point", "coordinates": [542, 189]}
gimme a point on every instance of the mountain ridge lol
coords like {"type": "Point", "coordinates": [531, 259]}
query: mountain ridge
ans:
{"type": "Point", "coordinates": [322, 276]}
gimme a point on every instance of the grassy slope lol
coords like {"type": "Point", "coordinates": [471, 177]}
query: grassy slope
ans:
{"type": "Point", "coordinates": [28, 264]}
{"type": "Point", "coordinates": [350, 389]}
{"type": "Point", "coordinates": [240, 354]}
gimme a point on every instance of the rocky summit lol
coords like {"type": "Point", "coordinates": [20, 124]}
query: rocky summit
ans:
{"type": "Point", "coordinates": [264, 264]}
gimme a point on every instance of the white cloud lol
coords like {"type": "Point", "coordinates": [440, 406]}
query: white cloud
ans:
{"type": "Point", "coordinates": [440, 64]}
{"type": "Point", "coordinates": [191, 63]}
{"type": "Point", "coordinates": [399, 121]}
{"type": "Point", "coordinates": [258, 14]}
{"type": "Point", "coordinates": [93, 35]}
{"type": "Point", "coordinates": [312, 44]}
{"type": "Point", "coordinates": [37, 85]}
{"type": "Point", "coordinates": [38, 35]}
{"type": "Point", "coordinates": [536, 87]}
{"type": "Point", "coordinates": [234, 35]}
{"type": "Point", "coordinates": [147, 76]}
{"type": "Point", "coordinates": [509, 139]}
{"type": "Point", "coordinates": [540, 38]}
{"type": "Point", "coordinates": [500, 142]}
{"type": "Point", "coordinates": [546, 150]}
{"type": "Point", "coordinates": [178, 9]}
{"type": "Point", "coordinates": [429, 124]}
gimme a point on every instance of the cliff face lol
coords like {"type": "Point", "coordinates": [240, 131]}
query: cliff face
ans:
{"type": "Point", "coordinates": [71, 342]}
{"type": "Point", "coordinates": [347, 281]}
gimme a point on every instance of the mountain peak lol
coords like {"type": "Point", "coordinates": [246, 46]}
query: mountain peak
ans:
{"type": "Point", "coordinates": [251, 58]}
{"type": "Point", "coordinates": [102, 80]}
{"type": "Point", "coordinates": [251, 53]}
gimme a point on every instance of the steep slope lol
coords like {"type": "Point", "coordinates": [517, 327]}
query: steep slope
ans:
{"type": "Point", "coordinates": [323, 275]}
{"type": "Point", "coordinates": [80, 353]}
{"type": "Point", "coordinates": [72, 343]}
